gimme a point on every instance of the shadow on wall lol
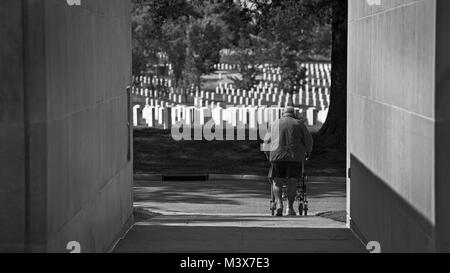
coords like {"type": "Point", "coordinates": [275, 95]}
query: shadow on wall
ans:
{"type": "Point", "coordinates": [380, 214]}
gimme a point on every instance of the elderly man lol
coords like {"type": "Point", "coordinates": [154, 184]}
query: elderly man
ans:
{"type": "Point", "coordinates": [290, 141]}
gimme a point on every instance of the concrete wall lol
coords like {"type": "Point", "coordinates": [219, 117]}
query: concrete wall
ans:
{"type": "Point", "coordinates": [12, 129]}
{"type": "Point", "coordinates": [72, 177]}
{"type": "Point", "coordinates": [393, 146]}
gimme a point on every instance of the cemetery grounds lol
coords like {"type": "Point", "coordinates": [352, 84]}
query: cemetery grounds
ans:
{"type": "Point", "coordinates": [155, 152]}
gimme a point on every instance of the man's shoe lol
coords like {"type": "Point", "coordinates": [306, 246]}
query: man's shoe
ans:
{"type": "Point", "coordinates": [291, 212]}
{"type": "Point", "coordinates": [279, 212]}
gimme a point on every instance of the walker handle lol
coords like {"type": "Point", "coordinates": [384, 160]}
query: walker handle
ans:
{"type": "Point", "coordinates": [307, 156]}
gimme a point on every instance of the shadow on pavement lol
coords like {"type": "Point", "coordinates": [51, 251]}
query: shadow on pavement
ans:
{"type": "Point", "coordinates": [236, 196]}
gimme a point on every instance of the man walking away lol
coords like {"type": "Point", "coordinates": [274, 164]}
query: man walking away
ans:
{"type": "Point", "coordinates": [289, 141]}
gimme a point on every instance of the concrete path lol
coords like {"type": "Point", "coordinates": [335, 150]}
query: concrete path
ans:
{"type": "Point", "coordinates": [232, 196]}
{"type": "Point", "coordinates": [233, 217]}
{"type": "Point", "coordinates": [239, 234]}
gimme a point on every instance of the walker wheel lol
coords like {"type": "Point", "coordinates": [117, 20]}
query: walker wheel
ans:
{"type": "Point", "coordinates": [273, 208]}
{"type": "Point", "coordinates": [300, 209]}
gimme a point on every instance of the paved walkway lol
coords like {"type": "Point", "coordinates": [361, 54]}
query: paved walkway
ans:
{"type": "Point", "coordinates": [233, 216]}
{"type": "Point", "coordinates": [231, 196]}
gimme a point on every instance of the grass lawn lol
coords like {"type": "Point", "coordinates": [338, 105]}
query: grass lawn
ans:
{"type": "Point", "coordinates": [155, 152]}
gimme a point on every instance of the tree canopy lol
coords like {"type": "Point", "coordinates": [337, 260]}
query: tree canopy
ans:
{"type": "Point", "coordinates": [194, 33]}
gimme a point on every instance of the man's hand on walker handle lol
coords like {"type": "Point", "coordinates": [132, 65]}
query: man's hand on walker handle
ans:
{"type": "Point", "coordinates": [307, 156]}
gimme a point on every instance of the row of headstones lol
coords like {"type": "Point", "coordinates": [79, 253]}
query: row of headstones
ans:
{"type": "Point", "coordinates": [270, 91]}
{"type": "Point", "coordinates": [174, 94]}
{"type": "Point", "coordinates": [231, 91]}
{"type": "Point", "coordinates": [200, 103]}
{"type": "Point", "coordinates": [315, 97]}
{"type": "Point", "coordinates": [261, 85]}
{"type": "Point", "coordinates": [267, 88]}
{"type": "Point", "coordinates": [162, 56]}
{"type": "Point", "coordinates": [271, 70]}
{"type": "Point", "coordinates": [271, 77]}
{"type": "Point", "coordinates": [258, 99]}
{"type": "Point", "coordinates": [235, 97]}
{"type": "Point", "coordinates": [315, 68]}
{"type": "Point", "coordinates": [318, 70]}
{"type": "Point", "coordinates": [172, 102]}
{"type": "Point", "coordinates": [318, 67]}
{"type": "Point", "coordinates": [203, 98]}
{"type": "Point", "coordinates": [143, 81]}
{"type": "Point", "coordinates": [280, 100]}
{"type": "Point", "coordinates": [313, 81]}
{"type": "Point", "coordinates": [145, 92]}
{"type": "Point", "coordinates": [190, 99]}
{"type": "Point", "coordinates": [270, 80]}
{"type": "Point", "coordinates": [226, 67]}
{"type": "Point", "coordinates": [249, 117]}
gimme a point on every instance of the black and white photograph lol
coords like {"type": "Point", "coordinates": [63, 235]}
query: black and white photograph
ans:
{"type": "Point", "coordinates": [221, 132]}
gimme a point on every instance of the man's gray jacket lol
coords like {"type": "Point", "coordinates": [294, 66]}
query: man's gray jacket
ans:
{"type": "Point", "coordinates": [289, 140]}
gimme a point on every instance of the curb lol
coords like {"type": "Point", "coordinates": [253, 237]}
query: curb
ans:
{"type": "Point", "coordinates": [236, 177]}
{"type": "Point", "coordinates": [151, 177]}
{"type": "Point", "coordinates": [144, 213]}
{"type": "Point", "coordinates": [151, 213]}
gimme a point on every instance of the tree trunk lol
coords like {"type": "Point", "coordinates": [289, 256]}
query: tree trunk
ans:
{"type": "Point", "coordinates": [334, 131]}
{"type": "Point", "coordinates": [199, 82]}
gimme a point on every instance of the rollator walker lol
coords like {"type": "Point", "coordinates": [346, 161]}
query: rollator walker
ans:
{"type": "Point", "coordinates": [301, 197]}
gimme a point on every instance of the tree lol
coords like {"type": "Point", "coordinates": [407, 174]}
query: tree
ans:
{"type": "Point", "coordinates": [157, 26]}
{"type": "Point", "coordinates": [334, 131]}
{"type": "Point", "coordinates": [175, 46]}
{"type": "Point", "coordinates": [191, 33]}
{"type": "Point", "coordinates": [296, 33]}
{"type": "Point", "coordinates": [144, 49]}
{"type": "Point", "coordinates": [248, 54]}
{"type": "Point", "coordinates": [300, 30]}
{"type": "Point", "coordinates": [245, 46]}
{"type": "Point", "coordinates": [203, 46]}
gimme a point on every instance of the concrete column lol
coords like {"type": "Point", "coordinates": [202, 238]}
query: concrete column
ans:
{"type": "Point", "coordinates": [398, 83]}
{"type": "Point", "coordinates": [63, 124]}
